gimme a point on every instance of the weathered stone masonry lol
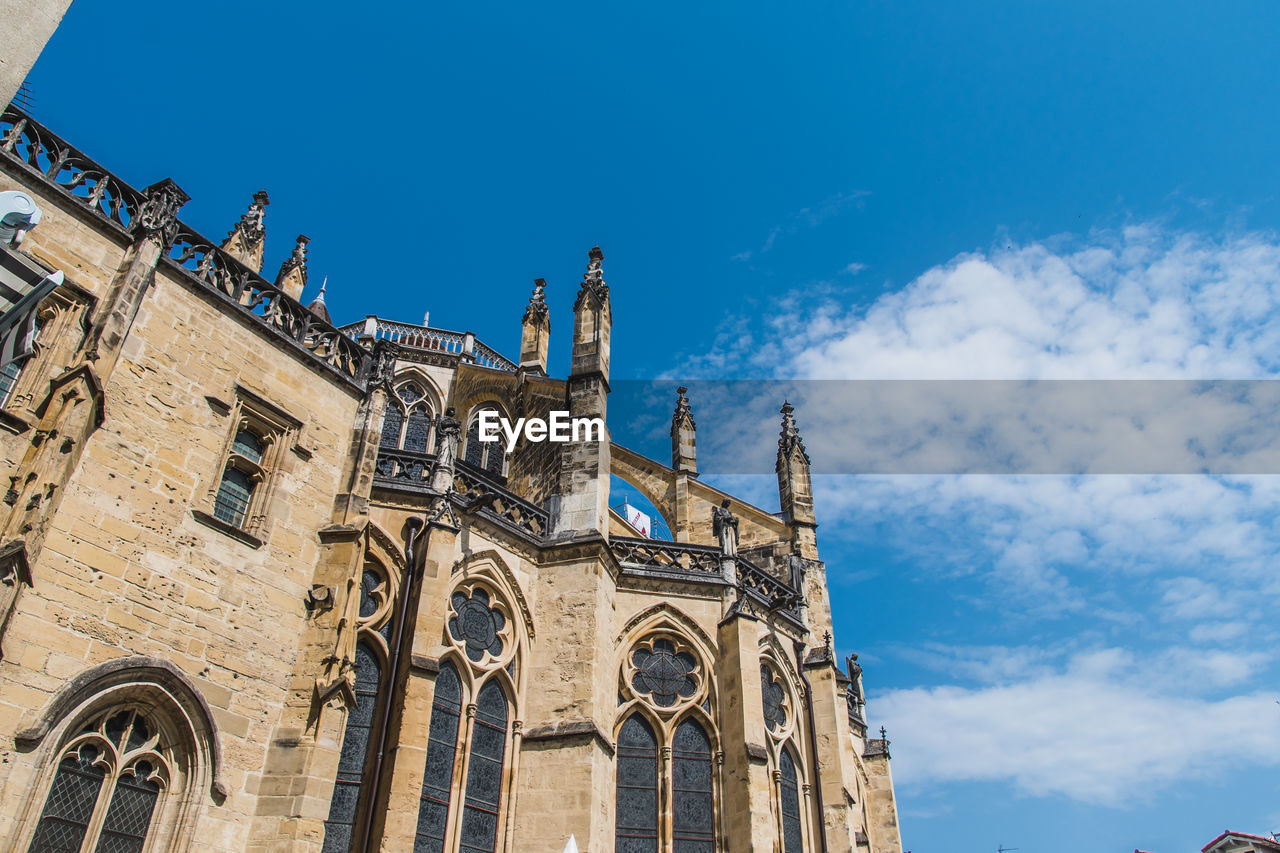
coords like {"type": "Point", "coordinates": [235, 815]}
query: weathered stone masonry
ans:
{"type": "Point", "coordinates": [261, 588]}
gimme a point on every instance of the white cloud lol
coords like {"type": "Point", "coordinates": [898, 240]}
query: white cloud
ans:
{"type": "Point", "coordinates": [1153, 674]}
{"type": "Point", "coordinates": [854, 268]}
{"type": "Point", "coordinates": [1141, 302]}
{"type": "Point", "coordinates": [1100, 730]}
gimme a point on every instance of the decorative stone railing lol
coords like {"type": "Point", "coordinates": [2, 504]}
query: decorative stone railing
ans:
{"type": "Point", "coordinates": [404, 469]}
{"type": "Point", "coordinates": [462, 344]}
{"type": "Point", "coordinates": [200, 258]}
{"type": "Point", "coordinates": [64, 166]}
{"type": "Point", "coordinates": [773, 593]}
{"type": "Point", "coordinates": [67, 168]}
{"type": "Point", "coordinates": [506, 507]}
{"type": "Point", "coordinates": [669, 556]}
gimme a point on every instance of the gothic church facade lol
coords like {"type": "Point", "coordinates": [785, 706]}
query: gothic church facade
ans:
{"type": "Point", "coordinates": [264, 588]}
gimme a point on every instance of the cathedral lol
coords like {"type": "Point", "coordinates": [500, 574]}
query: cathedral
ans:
{"type": "Point", "coordinates": [266, 586]}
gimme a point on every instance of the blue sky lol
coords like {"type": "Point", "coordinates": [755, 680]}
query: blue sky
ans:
{"type": "Point", "coordinates": [1078, 190]}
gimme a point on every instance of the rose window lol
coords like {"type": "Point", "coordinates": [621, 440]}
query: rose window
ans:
{"type": "Point", "coordinates": [477, 624]}
{"type": "Point", "coordinates": [664, 674]}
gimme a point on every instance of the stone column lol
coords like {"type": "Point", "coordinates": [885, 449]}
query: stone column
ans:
{"type": "Point", "coordinates": [746, 801]}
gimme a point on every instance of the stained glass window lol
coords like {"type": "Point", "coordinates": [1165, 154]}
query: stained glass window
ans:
{"type": "Point", "coordinates": [637, 820]}
{"type": "Point", "coordinates": [71, 801]}
{"type": "Point", "coordinates": [475, 447]}
{"type": "Point", "coordinates": [442, 748]}
{"type": "Point", "coordinates": [775, 707]}
{"type": "Point", "coordinates": [664, 674]}
{"type": "Point", "coordinates": [418, 431]}
{"type": "Point", "coordinates": [489, 455]}
{"type": "Point", "coordinates": [484, 771]}
{"type": "Point", "coordinates": [391, 423]}
{"type": "Point", "coordinates": [692, 808]}
{"type": "Point", "coordinates": [355, 747]}
{"type": "Point", "coordinates": [476, 624]}
{"type": "Point", "coordinates": [791, 841]}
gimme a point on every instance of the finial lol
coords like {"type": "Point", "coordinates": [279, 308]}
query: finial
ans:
{"type": "Point", "coordinates": [826, 641]}
{"type": "Point", "coordinates": [250, 224]}
{"type": "Point", "coordinates": [790, 441]}
{"type": "Point", "coordinates": [682, 413]}
{"type": "Point", "coordinates": [593, 278]}
{"type": "Point", "coordinates": [537, 308]}
{"type": "Point", "coordinates": [883, 733]}
{"type": "Point", "coordinates": [324, 284]}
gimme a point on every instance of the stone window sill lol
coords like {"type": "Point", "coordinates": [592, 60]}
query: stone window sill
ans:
{"type": "Point", "coordinates": [227, 529]}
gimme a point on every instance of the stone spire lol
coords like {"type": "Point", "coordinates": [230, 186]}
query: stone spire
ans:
{"type": "Point", "coordinates": [592, 321]}
{"type": "Point", "coordinates": [684, 456]}
{"type": "Point", "coordinates": [246, 240]}
{"type": "Point", "coordinates": [795, 485]}
{"type": "Point", "coordinates": [583, 502]}
{"type": "Point", "coordinates": [317, 305]}
{"type": "Point", "coordinates": [535, 332]}
{"type": "Point", "coordinates": [292, 278]}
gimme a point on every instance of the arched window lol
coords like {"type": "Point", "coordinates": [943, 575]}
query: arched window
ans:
{"type": "Point", "coordinates": [664, 674]}
{"type": "Point", "coordinates": [637, 820]}
{"type": "Point", "coordinates": [790, 796]}
{"type": "Point", "coordinates": [442, 750]}
{"type": "Point", "coordinates": [488, 455]}
{"type": "Point", "coordinates": [407, 423]}
{"type": "Point", "coordinates": [239, 478]}
{"type": "Point", "coordinates": [355, 749]}
{"type": "Point", "coordinates": [354, 787]}
{"type": "Point", "coordinates": [117, 767]}
{"type": "Point", "coordinates": [692, 807]}
{"type": "Point", "coordinates": [461, 803]}
{"type": "Point", "coordinates": [484, 771]}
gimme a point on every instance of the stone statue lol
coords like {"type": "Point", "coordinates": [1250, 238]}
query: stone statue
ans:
{"type": "Point", "coordinates": [448, 435]}
{"type": "Point", "coordinates": [725, 525]}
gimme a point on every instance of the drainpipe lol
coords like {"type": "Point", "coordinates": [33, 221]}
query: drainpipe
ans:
{"type": "Point", "coordinates": [396, 654]}
{"type": "Point", "coordinates": [813, 744]}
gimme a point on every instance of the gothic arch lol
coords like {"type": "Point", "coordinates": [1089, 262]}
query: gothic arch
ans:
{"type": "Point", "coordinates": [171, 702]}
{"type": "Point", "coordinates": [412, 372]}
{"type": "Point", "coordinates": [678, 621]}
{"type": "Point", "coordinates": [128, 677]}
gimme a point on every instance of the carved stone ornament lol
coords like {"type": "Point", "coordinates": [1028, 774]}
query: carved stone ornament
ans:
{"type": "Point", "coordinates": [537, 311]}
{"type": "Point", "coordinates": [158, 216]}
{"type": "Point", "coordinates": [683, 415]}
{"type": "Point", "coordinates": [251, 225]}
{"type": "Point", "coordinates": [319, 598]}
{"type": "Point", "coordinates": [790, 442]}
{"type": "Point", "coordinates": [296, 261]}
{"type": "Point", "coordinates": [593, 279]}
